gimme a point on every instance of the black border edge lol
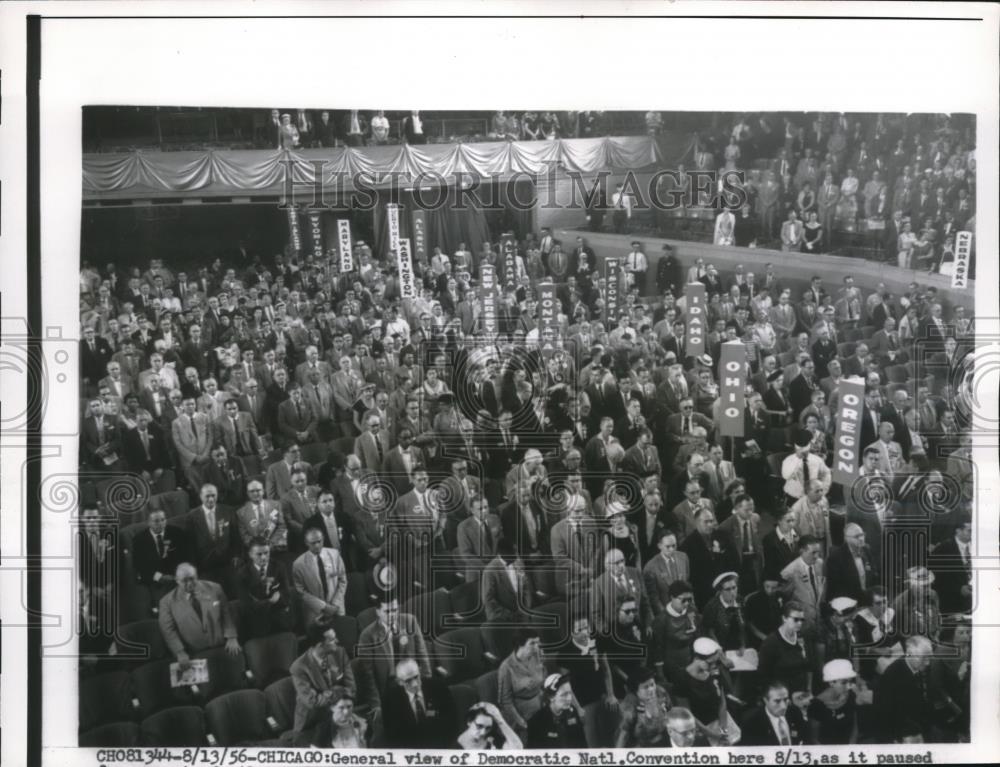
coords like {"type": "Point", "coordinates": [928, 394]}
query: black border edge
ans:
{"type": "Point", "coordinates": [33, 446]}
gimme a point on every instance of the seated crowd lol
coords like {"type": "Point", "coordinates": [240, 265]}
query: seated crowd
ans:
{"type": "Point", "coordinates": [907, 184]}
{"type": "Point", "coordinates": [379, 528]}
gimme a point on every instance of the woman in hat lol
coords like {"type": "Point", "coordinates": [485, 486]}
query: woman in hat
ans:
{"type": "Point", "coordinates": [342, 728]}
{"type": "Point", "coordinates": [622, 535]}
{"type": "Point", "coordinates": [775, 403]}
{"type": "Point", "coordinates": [706, 685]}
{"type": "Point", "coordinates": [520, 680]}
{"type": "Point", "coordinates": [364, 403]}
{"type": "Point", "coordinates": [833, 714]}
{"type": "Point", "coordinates": [558, 723]}
{"type": "Point", "coordinates": [723, 619]}
{"type": "Point", "coordinates": [785, 655]}
{"type": "Point", "coordinates": [675, 630]}
{"type": "Point", "coordinates": [486, 730]}
{"type": "Point", "coordinates": [643, 722]}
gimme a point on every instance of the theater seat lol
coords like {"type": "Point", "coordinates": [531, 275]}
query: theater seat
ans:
{"type": "Point", "coordinates": [174, 728]}
{"type": "Point", "coordinates": [125, 496]}
{"type": "Point", "coordinates": [553, 622]}
{"type": "Point", "coordinates": [465, 697]}
{"type": "Point", "coordinates": [846, 349]}
{"type": "Point", "coordinates": [107, 698]}
{"type": "Point", "coordinates": [366, 618]}
{"type": "Point", "coordinates": [151, 682]}
{"type": "Point", "coordinates": [175, 503]}
{"type": "Point", "coordinates": [115, 735]}
{"type": "Point", "coordinates": [897, 374]}
{"type": "Point", "coordinates": [314, 453]}
{"type": "Point", "coordinates": [346, 628]}
{"type": "Point", "coordinates": [429, 608]}
{"type": "Point", "coordinates": [855, 334]}
{"type": "Point", "coordinates": [135, 603]}
{"type": "Point", "coordinates": [487, 687]}
{"type": "Point", "coordinates": [467, 604]}
{"type": "Point", "coordinates": [146, 640]}
{"type": "Point", "coordinates": [239, 718]}
{"type": "Point", "coordinates": [461, 655]}
{"type": "Point", "coordinates": [225, 673]}
{"type": "Point", "coordinates": [280, 698]}
{"type": "Point", "coordinates": [270, 657]}
{"type": "Point", "coordinates": [774, 461]}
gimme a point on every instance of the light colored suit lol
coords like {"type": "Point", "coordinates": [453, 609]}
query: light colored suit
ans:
{"type": "Point", "coordinates": [240, 439]}
{"type": "Point", "coordinates": [305, 576]}
{"type": "Point", "coordinates": [473, 548]}
{"type": "Point", "coordinates": [657, 576]}
{"type": "Point", "coordinates": [183, 632]}
{"type": "Point", "coordinates": [192, 438]}
{"type": "Point", "coordinates": [367, 451]}
{"type": "Point", "coordinates": [321, 404]}
{"type": "Point", "coordinates": [278, 479]}
{"type": "Point", "coordinates": [579, 562]}
{"type": "Point", "coordinates": [311, 681]}
{"type": "Point", "coordinates": [297, 512]}
{"type": "Point", "coordinates": [798, 586]}
{"type": "Point", "coordinates": [302, 372]}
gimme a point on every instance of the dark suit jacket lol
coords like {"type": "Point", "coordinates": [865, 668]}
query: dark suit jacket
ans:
{"type": "Point", "coordinates": [230, 482]}
{"type": "Point", "coordinates": [901, 702]}
{"type": "Point", "coordinates": [135, 456]}
{"type": "Point", "coordinates": [217, 553]}
{"type": "Point", "coordinates": [707, 564]}
{"type": "Point", "coordinates": [950, 575]}
{"type": "Point", "coordinates": [147, 562]}
{"type": "Point", "coordinates": [757, 729]}
{"type": "Point", "coordinates": [499, 600]}
{"type": "Point", "coordinates": [842, 575]}
{"type": "Point", "coordinates": [93, 363]}
{"type": "Point", "coordinates": [438, 727]}
{"type": "Point", "coordinates": [253, 593]}
{"type": "Point", "coordinates": [777, 555]}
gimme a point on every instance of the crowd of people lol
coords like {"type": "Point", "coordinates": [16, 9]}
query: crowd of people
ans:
{"type": "Point", "coordinates": [902, 186]}
{"type": "Point", "coordinates": [327, 461]}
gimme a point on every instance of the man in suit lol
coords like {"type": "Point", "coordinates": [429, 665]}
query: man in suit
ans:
{"type": "Point", "coordinates": [393, 636]}
{"type": "Point", "coordinates": [251, 401]}
{"type": "Point", "coordinates": [683, 729]}
{"type": "Point", "coordinates": [506, 586]}
{"type": "Point", "coordinates": [118, 384]}
{"type": "Point", "coordinates": [710, 553]}
{"type": "Point", "coordinates": [801, 388]}
{"type": "Point", "coordinates": [743, 528]}
{"type": "Point", "coordinates": [334, 525]}
{"type": "Point", "coordinates": [262, 517]}
{"type": "Point", "coordinates": [95, 353]}
{"type": "Point", "coordinates": [312, 362]}
{"type": "Point", "coordinates": [320, 578]}
{"type": "Point", "coordinates": [780, 546]}
{"type": "Point", "coordinates": [195, 616]}
{"type": "Point", "coordinates": [417, 524]}
{"type": "Point", "coordinates": [145, 450]}
{"type": "Point", "coordinates": [237, 431]}
{"type": "Point", "coordinates": [296, 420]}
{"type": "Point", "coordinates": [774, 722]}
{"type": "Point", "coordinates": [849, 571]}
{"type": "Point", "coordinates": [802, 466]}
{"type": "Point", "coordinates": [157, 552]}
{"type": "Point", "coordinates": [401, 461]}
{"type": "Point", "coordinates": [888, 450]}
{"type": "Point", "coordinates": [228, 476]}
{"type": "Point", "coordinates": [214, 536]}
{"type": "Point", "coordinates": [278, 478]}
{"type": "Point", "coordinates": [192, 435]}
{"type": "Point", "coordinates": [373, 444]}
{"type": "Point", "coordinates": [477, 538]}
{"type": "Point", "coordinates": [100, 437]}
{"type": "Point", "coordinates": [951, 563]}
{"type": "Point", "coordinates": [615, 585]}
{"type": "Point", "coordinates": [275, 396]}
{"type": "Point", "coordinates": [903, 701]}
{"type": "Point", "coordinates": [324, 666]}
{"type": "Point", "coordinates": [895, 414]}
{"type": "Point", "coordinates": [421, 710]}
{"type": "Point", "coordinates": [804, 582]}
{"type": "Point", "coordinates": [578, 548]}
{"type": "Point", "coordinates": [296, 508]}
{"type": "Point", "coordinates": [669, 565]}
{"type": "Point", "coordinates": [265, 593]}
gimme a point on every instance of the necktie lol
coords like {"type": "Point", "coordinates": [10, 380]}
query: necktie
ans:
{"type": "Point", "coordinates": [687, 425]}
{"type": "Point", "coordinates": [298, 410]}
{"type": "Point", "coordinates": [322, 574]}
{"type": "Point", "coordinates": [783, 736]}
{"type": "Point", "coordinates": [488, 536]}
{"type": "Point", "coordinates": [747, 543]}
{"type": "Point", "coordinates": [210, 522]}
{"type": "Point", "coordinates": [418, 705]}
{"type": "Point", "coordinates": [316, 390]}
{"type": "Point", "coordinates": [671, 571]}
{"type": "Point", "coordinates": [196, 606]}
{"type": "Point", "coordinates": [812, 582]}
{"type": "Point", "coordinates": [194, 434]}
{"type": "Point", "coordinates": [378, 446]}
{"type": "Point", "coordinates": [159, 545]}
{"type": "Point", "coordinates": [805, 473]}
{"type": "Point", "coordinates": [99, 423]}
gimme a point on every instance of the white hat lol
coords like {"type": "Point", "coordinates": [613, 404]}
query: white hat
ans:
{"type": "Point", "coordinates": [840, 668]}
{"type": "Point", "coordinates": [723, 578]}
{"type": "Point", "coordinates": [843, 604]}
{"type": "Point", "coordinates": [612, 508]}
{"type": "Point", "coordinates": [705, 647]}
{"type": "Point", "coordinates": [920, 575]}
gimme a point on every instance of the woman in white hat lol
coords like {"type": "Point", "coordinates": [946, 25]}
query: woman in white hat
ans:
{"type": "Point", "coordinates": [723, 619]}
{"type": "Point", "coordinates": [833, 714]}
{"type": "Point", "coordinates": [837, 634]}
{"type": "Point", "coordinates": [622, 535]}
{"type": "Point", "coordinates": [706, 685]}
{"type": "Point", "coordinates": [558, 723]}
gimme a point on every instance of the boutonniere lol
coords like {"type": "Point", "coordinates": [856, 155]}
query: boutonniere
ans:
{"type": "Point", "coordinates": [403, 640]}
{"type": "Point", "coordinates": [716, 549]}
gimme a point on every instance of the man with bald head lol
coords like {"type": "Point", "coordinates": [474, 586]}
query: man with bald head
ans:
{"type": "Point", "coordinates": [904, 696]}
{"type": "Point", "coordinates": [849, 568]}
{"type": "Point", "coordinates": [195, 616]}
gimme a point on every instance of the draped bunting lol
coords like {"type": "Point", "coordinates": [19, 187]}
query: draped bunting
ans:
{"type": "Point", "coordinates": [209, 171]}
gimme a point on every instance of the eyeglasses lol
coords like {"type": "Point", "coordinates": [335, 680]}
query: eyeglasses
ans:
{"type": "Point", "coordinates": [629, 610]}
{"type": "Point", "coordinates": [409, 679]}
